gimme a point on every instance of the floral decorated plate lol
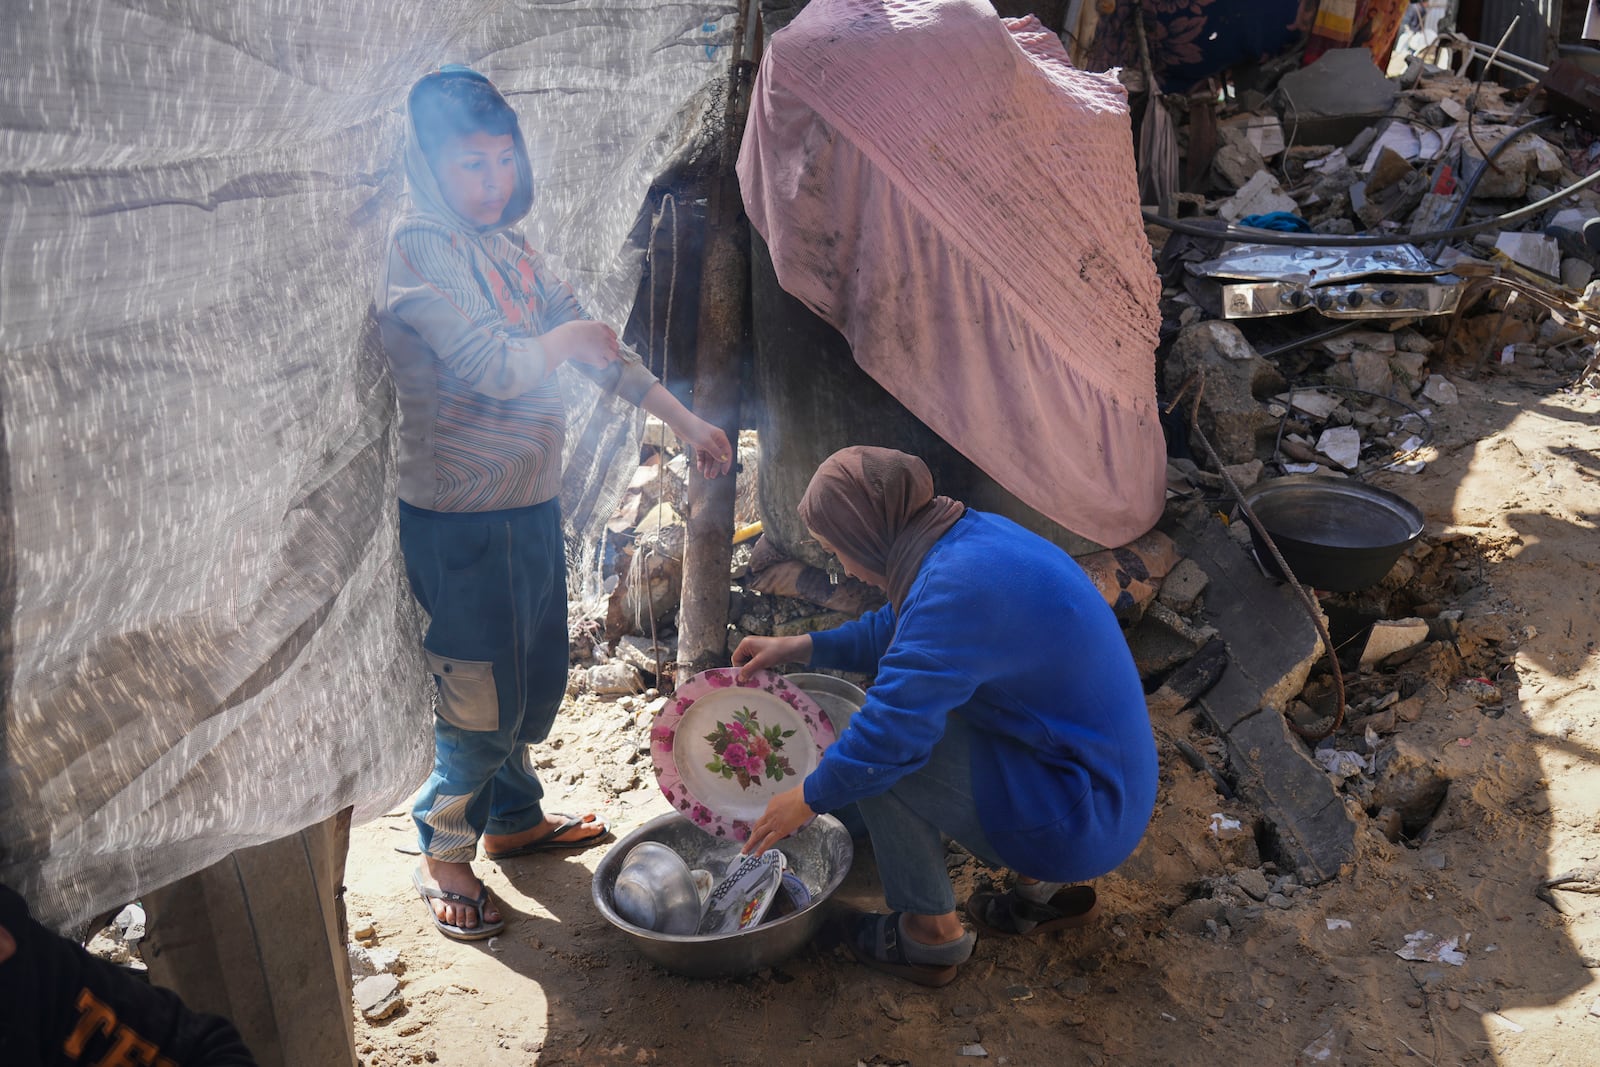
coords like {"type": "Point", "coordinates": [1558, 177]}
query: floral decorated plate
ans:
{"type": "Point", "coordinates": [722, 748]}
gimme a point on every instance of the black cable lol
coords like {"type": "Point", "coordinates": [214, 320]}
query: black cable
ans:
{"type": "Point", "coordinates": [1488, 163]}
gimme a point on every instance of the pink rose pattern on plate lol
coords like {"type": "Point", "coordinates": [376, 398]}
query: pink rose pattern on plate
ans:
{"type": "Point", "coordinates": [665, 728]}
{"type": "Point", "coordinates": [747, 752]}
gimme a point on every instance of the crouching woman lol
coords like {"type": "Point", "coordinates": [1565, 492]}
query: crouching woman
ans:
{"type": "Point", "coordinates": [1006, 714]}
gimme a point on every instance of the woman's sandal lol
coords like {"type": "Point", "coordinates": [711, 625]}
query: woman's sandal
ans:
{"type": "Point", "coordinates": [877, 941]}
{"type": "Point", "coordinates": [1009, 915]}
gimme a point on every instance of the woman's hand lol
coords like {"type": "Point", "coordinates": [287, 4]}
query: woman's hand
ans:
{"type": "Point", "coordinates": [712, 455]}
{"type": "Point", "coordinates": [582, 341]}
{"type": "Point", "coordinates": [786, 813]}
{"type": "Point", "coordinates": [759, 653]}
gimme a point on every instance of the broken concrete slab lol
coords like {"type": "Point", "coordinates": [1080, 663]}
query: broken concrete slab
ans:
{"type": "Point", "coordinates": [1189, 682]}
{"type": "Point", "coordinates": [1182, 587]}
{"type": "Point", "coordinates": [1340, 95]}
{"type": "Point", "coordinates": [1393, 635]}
{"type": "Point", "coordinates": [1162, 640]}
{"type": "Point", "coordinates": [1532, 250]}
{"type": "Point", "coordinates": [1231, 414]}
{"type": "Point", "coordinates": [1261, 195]}
{"type": "Point", "coordinates": [1237, 160]}
{"type": "Point", "coordinates": [1272, 645]}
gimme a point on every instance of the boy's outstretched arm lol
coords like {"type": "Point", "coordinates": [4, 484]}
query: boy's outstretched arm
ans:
{"type": "Point", "coordinates": [712, 454]}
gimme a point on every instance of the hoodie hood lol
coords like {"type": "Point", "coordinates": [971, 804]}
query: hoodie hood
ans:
{"type": "Point", "coordinates": [426, 196]}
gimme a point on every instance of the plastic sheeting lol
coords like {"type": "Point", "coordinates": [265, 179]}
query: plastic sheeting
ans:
{"type": "Point", "coordinates": [206, 641]}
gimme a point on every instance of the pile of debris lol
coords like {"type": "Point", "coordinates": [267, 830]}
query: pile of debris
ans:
{"type": "Point", "coordinates": [1338, 150]}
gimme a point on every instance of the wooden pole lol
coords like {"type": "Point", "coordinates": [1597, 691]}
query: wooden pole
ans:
{"type": "Point", "coordinates": [724, 286]}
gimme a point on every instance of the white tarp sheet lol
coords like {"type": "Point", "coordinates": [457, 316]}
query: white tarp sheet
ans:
{"type": "Point", "coordinates": [205, 637]}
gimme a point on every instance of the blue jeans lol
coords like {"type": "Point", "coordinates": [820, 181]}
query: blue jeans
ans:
{"type": "Point", "coordinates": [494, 585]}
{"type": "Point", "coordinates": [909, 823]}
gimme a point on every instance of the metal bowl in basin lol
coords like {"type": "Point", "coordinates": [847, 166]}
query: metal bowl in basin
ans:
{"type": "Point", "coordinates": [655, 889]}
{"type": "Point", "coordinates": [819, 855]}
{"type": "Point", "coordinates": [1334, 534]}
{"type": "Point", "coordinates": [837, 698]}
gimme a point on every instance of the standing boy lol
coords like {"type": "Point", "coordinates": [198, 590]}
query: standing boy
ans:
{"type": "Point", "coordinates": [474, 325]}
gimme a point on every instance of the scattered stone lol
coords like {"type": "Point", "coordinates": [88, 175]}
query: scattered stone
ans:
{"type": "Point", "coordinates": [378, 997]}
{"type": "Point", "coordinates": [1253, 882]}
{"type": "Point", "coordinates": [1440, 391]}
{"type": "Point", "coordinates": [366, 961]}
{"type": "Point", "coordinates": [608, 679]}
{"type": "Point", "coordinates": [1407, 779]}
{"type": "Point", "coordinates": [977, 1051]}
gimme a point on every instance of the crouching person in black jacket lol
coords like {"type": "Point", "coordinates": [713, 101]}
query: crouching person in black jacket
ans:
{"type": "Point", "coordinates": [61, 1006]}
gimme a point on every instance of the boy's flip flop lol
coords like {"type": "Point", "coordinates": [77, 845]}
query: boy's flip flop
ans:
{"type": "Point", "coordinates": [877, 941]}
{"type": "Point", "coordinates": [548, 842]}
{"type": "Point", "coordinates": [432, 893]}
{"type": "Point", "coordinates": [1009, 915]}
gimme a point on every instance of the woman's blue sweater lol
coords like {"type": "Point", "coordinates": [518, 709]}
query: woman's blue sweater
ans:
{"type": "Point", "coordinates": [1004, 629]}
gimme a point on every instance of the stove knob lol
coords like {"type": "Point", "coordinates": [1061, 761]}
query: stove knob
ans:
{"type": "Point", "coordinates": [1325, 301]}
{"type": "Point", "coordinates": [1389, 298]}
{"type": "Point", "coordinates": [1297, 298]}
{"type": "Point", "coordinates": [1355, 300]}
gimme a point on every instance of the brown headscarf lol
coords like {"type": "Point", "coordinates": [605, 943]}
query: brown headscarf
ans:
{"type": "Point", "coordinates": [877, 506]}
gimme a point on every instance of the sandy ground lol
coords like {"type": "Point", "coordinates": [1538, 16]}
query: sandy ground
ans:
{"type": "Point", "coordinates": [1188, 967]}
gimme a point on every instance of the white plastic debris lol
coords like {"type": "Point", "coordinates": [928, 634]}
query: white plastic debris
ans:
{"type": "Point", "coordinates": [1341, 763]}
{"type": "Point", "coordinates": [974, 1050]}
{"type": "Point", "coordinates": [1301, 468]}
{"type": "Point", "coordinates": [1342, 444]}
{"type": "Point", "coordinates": [1338, 924]}
{"type": "Point", "coordinates": [1225, 825]}
{"type": "Point", "coordinates": [1320, 1050]}
{"type": "Point", "coordinates": [1515, 1028]}
{"type": "Point", "coordinates": [1431, 948]}
{"type": "Point", "coordinates": [130, 923]}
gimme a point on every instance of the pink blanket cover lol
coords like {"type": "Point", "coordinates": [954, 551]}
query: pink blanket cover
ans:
{"type": "Point", "coordinates": [946, 190]}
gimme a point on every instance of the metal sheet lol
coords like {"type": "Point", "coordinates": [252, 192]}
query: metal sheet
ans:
{"type": "Point", "coordinates": [1316, 266]}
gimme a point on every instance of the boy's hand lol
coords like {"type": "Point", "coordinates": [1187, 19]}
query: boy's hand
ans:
{"type": "Point", "coordinates": [583, 341]}
{"type": "Point", "coordinates": [712, 455]}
